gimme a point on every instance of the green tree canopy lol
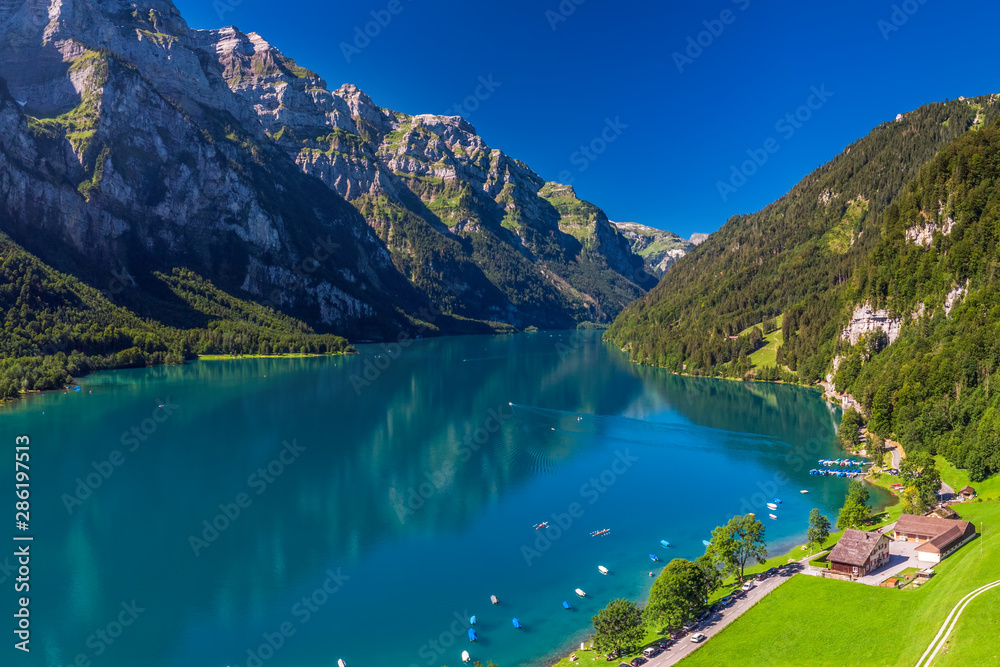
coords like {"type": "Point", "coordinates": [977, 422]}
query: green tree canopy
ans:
{"type": "Point", "coordinates": [920, 471]}
{"type": "Point", "coordinates": [680, 591]}
{"type": "Point", "coordinates": [819, 528]}
{"type": "Point", "coordinates": [738, 542]}
{"type": "Point", "coordinates": [850, 427]}
{"type": "Point", "coordinates": [619, 627]}
{"type": "Point", "coordinates": [855, 513]}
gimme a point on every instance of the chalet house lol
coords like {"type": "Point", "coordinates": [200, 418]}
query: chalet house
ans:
{"type": "Point", "coordinates": [968, 493]}
{"type": "Point", "coordinates": [945, 512]}
{"type": "Point", "coordinates": [859, 552]}
{"type": "Point", "coordinates": [938, 538]}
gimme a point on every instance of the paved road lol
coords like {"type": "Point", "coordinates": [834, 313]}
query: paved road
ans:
{"type": "Point", "coordinates": [941, 638]}
{"type": "Point", "coordinates": [714, 624]}
{"type": "Point", "coordinates": [896, 452]}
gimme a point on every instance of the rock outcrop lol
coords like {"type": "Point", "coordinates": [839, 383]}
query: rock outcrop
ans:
{"type": "Point", "coordinates": [866, 320]}
{"type": "Point", "coordinates": [659, 248]}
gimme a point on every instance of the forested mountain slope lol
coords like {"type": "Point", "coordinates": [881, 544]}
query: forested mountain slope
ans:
{"type": "Point", "coordinates": [887, 285]}
{"type": "Point", "coordinates": [791, 257]}
{"type": "Point", "coordinates": [55, 326]}
{"type": "Point", "coordinates": [937, 269]}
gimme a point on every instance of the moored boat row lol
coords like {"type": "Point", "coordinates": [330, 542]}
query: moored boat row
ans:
{"type": "Point", "coordinates": [825, 472]}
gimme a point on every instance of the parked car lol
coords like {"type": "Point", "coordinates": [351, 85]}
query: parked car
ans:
{"type": "Point", "coordinates": [697, 638]}
{"type": "Point", "coordinates": [638, 661]}
{"type": "Point", "coordinates": [747, 586]}
{"type": "Point", "coordinates": [652, 651]}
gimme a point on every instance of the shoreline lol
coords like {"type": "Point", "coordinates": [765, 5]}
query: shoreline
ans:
{"type": "Point", "coordinates": [793, 553]}
{"type": "Point", "coordinates": [24, 394]}
{"type": "Point", "coordinates": [288, 355]}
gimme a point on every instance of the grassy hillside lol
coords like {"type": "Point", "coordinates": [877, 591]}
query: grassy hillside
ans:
{"type": "Point", "coordinates": [820, 622]}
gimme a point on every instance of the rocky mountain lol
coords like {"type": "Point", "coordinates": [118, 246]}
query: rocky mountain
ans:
{"type": "Point", "coordinates": [469, 225]}
{"type": "Point", "coordinates": [660, 249]}
{"type": "Point", "coordinates": [132, 145]}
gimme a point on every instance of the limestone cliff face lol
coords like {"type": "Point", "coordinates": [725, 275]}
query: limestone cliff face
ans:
{"type": "Point", "coordinates": [122, 152]}
{"type": "Point", "coordinates": [132, 143]}
{"type": "Point", "coordinates": [866, 320]}
{"type": "Point", "coordinates": [427, 183]}
{"type": "Point", "coordinates": [659, 248]}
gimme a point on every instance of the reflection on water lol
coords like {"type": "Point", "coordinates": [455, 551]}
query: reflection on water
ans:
{"type": "Point", "coordinates": [418, 472]}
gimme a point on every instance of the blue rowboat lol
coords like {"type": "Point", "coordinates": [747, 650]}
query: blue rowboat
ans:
{"type": "Point", "coordinates": [472, 620]}
{"type": "Point", "coordinates": [516, 623]}
{"type": "Point", "coordinates": [472, 635]}
{"type": "Point", "coordinates": [565, 605]}
{"type": "Point", "coordinates": [706, 543]}
{"type": "Point", "coordinates": [665, 544]}
{"type": "Point", "coordinates": [653, 557]}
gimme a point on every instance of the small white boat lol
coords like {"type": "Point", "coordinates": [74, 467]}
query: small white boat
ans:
{"type": "Point", "coordinates": [494, 599]}
{"type": "Point", "coordinates": [773, 516]}
{"type": "Point", "coordinates": [341, 663]}
{"type": "Point", "coordinates": [772, 506]}
{"type": "Point", "coordinates": [465, 656]}
{"type": "Point", "coordinates": [602, 569]}
{"type": "Point", "coordinates": [803, 491]}
{"type": "Point", "coordinates": [580, 592]}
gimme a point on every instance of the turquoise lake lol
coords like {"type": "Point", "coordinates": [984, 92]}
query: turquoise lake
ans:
{"type": "Point", "coordinates": [383, 497]}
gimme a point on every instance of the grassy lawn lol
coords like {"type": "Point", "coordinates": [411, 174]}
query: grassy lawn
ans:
{"type": "Point", "coordinates": [889, 515]}
{"type": "Point", "coordinates": [728, 586]}
{"type": "Point", "coordinates": [957, 478]}
{"type": "Point", "coordinates": [816, 622]}
{"type": "Point", "coordinates": [767, 355]}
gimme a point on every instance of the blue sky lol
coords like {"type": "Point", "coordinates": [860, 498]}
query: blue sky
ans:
{"type": "Point", "coordinates": [661, 130]}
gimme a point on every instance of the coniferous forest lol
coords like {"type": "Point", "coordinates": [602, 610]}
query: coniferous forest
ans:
{"type": "Point", "coordinates": [839, 240]}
